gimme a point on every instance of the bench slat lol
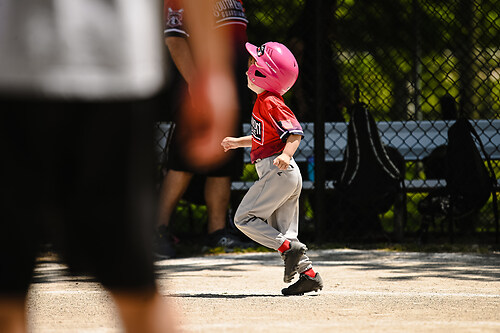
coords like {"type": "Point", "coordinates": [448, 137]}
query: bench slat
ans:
{"type": "Point", "coordinates": [413, 139]}
{"type": "Point", "coordinates": [411, 185]}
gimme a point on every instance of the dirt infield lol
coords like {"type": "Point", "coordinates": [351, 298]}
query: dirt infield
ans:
{"type": "Point", "coordinates": [365, 291]}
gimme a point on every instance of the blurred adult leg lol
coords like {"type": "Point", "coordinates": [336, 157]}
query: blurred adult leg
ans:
{"type": "Point", "coordinates": [217, 196]}
{"type": "Point", "coordinates": [173, 188]}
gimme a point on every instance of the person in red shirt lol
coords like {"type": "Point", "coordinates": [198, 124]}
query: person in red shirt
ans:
{"type": "Point", "coordinates": [269, 212]}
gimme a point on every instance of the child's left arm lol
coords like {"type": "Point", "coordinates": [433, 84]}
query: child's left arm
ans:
{"type": "Point", "coordinates": [283, 160]}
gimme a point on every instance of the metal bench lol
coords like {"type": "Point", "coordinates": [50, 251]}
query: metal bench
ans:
{"type": "Point", "coordinates": [413, 139]}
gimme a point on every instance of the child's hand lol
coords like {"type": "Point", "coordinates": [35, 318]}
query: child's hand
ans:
{"type": "Point", "coordinates": [229, 143]}
{"type": "Point", "coordinates": [282, 161]}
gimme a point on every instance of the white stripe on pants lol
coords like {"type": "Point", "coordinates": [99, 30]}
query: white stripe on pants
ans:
{"type": "Point", "coordinates": [269, 211]}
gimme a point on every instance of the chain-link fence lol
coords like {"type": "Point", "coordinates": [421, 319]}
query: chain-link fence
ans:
{"type": "Point", "coordinates": [418, 64]}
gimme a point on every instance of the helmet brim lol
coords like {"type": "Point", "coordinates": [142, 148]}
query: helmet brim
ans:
{"type": "Point", "coordinates": [252, 49]}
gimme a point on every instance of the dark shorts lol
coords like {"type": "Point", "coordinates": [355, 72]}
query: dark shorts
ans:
{"type": "Point", "coordinates": [79, 176]}
{"type": "Point", "coordinates": [232, 168]}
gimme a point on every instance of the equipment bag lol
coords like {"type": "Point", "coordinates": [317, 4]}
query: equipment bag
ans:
{"type": "Point", "coordinates": [469, 183]}
{"type": "Point", "coordinates": [467, 178]}
{"type": "Point", "coordinates": [372, 174]}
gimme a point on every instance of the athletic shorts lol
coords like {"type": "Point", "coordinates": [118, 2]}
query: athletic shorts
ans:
{"type": "Point", "coordinates": [79, 176]}
{"type": "Point", "coordinates": [231, 168]}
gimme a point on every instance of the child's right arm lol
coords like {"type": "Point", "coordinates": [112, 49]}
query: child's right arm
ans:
{"type": "Point", "coordinates": [233, 143]}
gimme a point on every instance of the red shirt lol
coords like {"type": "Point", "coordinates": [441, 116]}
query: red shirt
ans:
{"type": "Point", "coordinates": [272, 123]}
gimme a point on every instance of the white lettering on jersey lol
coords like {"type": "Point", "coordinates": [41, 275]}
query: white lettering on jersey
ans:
{"type": "Point", "coordinates": [257, 130]}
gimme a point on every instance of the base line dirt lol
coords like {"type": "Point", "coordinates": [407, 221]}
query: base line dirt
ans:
{"type": "Point", "coordinates": [365, 291]}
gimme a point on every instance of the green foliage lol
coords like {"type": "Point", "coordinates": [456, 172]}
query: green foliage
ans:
{"type": "Point", "coordinates": [221, 250]}
{"type": "Point", "coordinates": [391, 47]}
{"type": "Point", "coordinates": [271, 20]}
{"type": "Point", "coordinates": [249, 173]}
{"type": "Point", "coordinates": [189, 218]}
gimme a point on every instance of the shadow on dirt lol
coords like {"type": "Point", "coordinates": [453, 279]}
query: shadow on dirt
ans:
{"type": "Point", "coordinates": [403, 266]}
{"type": "Point", "coordinates": [224, 296]}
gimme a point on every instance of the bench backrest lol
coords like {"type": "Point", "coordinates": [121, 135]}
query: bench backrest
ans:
{"type": "Point", "coordinates": [413, 139]}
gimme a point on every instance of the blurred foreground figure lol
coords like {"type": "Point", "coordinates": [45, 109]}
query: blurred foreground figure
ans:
{"type": "Point", "coordinates": [77, 95]}
{"type": "Point", "coordinates": [78, 89]}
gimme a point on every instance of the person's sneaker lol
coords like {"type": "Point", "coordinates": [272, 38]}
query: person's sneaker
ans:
{"type": "Point", "coordinates": [228, 239]}
{"type": "Point", "coordinates": [305, 284]}
{"type": "Point", "coordinates": [163, 244]}
{"type": "Point", "coordinates": [292, 257]}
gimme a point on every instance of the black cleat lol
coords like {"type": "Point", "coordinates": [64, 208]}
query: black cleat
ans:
{"type": "Point", "coordinates": [292, 257]}
{"type": "Point", "coordinates": [163, 244]}
{"type": "Point", "coordinates": [228, 239]}
{"type": "Point", "coordinates": [305, 284]}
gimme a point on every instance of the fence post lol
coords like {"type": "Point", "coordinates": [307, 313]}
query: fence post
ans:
{"type": "Point", "coordinates": [466, 17]}
{"type": "Point", "coordinates": [417, 66]}
{"type": "Point", "coordinates": [319, 126]}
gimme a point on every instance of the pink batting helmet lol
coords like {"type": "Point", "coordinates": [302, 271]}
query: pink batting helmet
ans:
{"type": "Point", "coordinates": [275, 70]}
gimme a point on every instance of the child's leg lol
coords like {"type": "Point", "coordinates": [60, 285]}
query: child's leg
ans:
{"type": "Point", "coordinates": [286, 220]}
{"type": "Point", "coordinates": [267, 195]}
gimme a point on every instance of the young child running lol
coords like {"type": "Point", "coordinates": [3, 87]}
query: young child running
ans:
{"type": "Point", "coordinates": [269, 212]}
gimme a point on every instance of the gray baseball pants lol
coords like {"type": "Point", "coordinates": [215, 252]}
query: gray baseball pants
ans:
{"type": "Point", "coordinates": [269, 212]}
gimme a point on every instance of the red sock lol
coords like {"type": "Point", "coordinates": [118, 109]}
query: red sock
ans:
{"type": "Point", "coordinates": [310, 272]}
{"type": "Point", "coordinates": [285, 246]}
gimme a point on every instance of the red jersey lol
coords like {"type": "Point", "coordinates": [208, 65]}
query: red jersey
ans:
{"type": "Point", "coordinates": [272, 123]}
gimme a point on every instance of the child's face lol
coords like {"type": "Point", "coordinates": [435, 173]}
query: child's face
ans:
{"type": "Point", "coordinates": [251, 85]}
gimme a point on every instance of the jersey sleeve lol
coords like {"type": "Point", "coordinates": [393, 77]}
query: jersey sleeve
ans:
{"type": "Point", "coordinates": [284, 122]}
{"type": "Point", "coordinates": [173, 16]}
